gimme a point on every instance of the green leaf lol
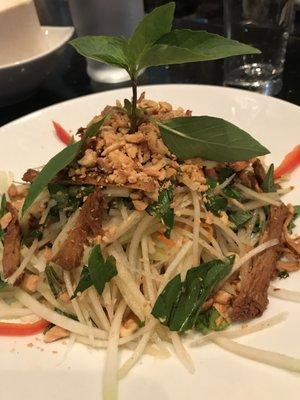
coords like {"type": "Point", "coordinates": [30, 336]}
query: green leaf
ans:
{"type": "Point", "coordinates": [53, 281]}
{"type": "Point", "coordinates": [84, 283]}
{"type": "Point", "coordinates": [3, 205]}
{"type": "Point", "coordinates": [2, 284]}
{"type": "Point", "coordinates": [210, 320]}
{"type": "Point", "coordinates": [97, 273]}
{"type": "Point", "coordinates": [233, 193]}
{"type": "Point", "coordinates": [183, 46]}
{"type": "Point", "coordinates": [209, 138]}
{"type": "Point", "coordinates": [101, 271]}
{"type": "Point", "coordinates": [152, 27]}
{"type": "Point", "coordinates": [179, 303]}
{"type": "Point", "coordinates": [225, 173]}
{"type": "Point", "coordinates": [268, 183]}
{"type": "Point", "coordinates": [214, 203]}
{"type": "Point", "coordinates": [57, 163]}
{"type": "Point", "coordinates": [292, 224]}
{"type": "Point", "coordinates": [107, 49]}
{"type": "Point", "coordinates": [162, 209]}
{"type": "Point", "coordinates": [239, 218]}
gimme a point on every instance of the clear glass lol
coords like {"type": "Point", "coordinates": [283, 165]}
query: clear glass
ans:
{"type": "Point", "coordinates": [106, 17]}
{"type": "Point", "coordinates": [264, 24]}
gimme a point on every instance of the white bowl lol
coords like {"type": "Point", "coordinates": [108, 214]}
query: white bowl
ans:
{"type": "Point", "coordinates": [19, 80]}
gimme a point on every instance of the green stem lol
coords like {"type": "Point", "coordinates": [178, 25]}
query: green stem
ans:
{"type": "Point", "coordinates": [133, 117]}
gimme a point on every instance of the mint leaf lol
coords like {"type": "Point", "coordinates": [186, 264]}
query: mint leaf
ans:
{"type": "Point", "coordinates": [57, 163]}
{"type": "Point", "coordinates": [107, 49]}
{"type": "Point", "coordinates": [268, 183]}
{"type": "Point", "coordinates": [185, 45]}
{"type": "Point", "coordinates": [152, 27]}
{"type": "Point", "coordinates": [97, 273]}
{"type": "Point", "coordinates": [210, 138]}
{"type": "Point", "coordinates": [179, 303]}
{"type": "Point", "coordinates": [162, 209]}
{"type": "Point", "coordinates": [210, 320]}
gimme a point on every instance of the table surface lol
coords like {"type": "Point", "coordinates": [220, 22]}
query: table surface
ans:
{"type": "Point", "coordinates": [69, 80]}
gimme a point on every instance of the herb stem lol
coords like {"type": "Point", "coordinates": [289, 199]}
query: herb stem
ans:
{"type": "Point", "coordinates": [133, 116]}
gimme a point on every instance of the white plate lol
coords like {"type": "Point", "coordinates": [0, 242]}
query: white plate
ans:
{"type": "Point", "coordinates": [27, 372]}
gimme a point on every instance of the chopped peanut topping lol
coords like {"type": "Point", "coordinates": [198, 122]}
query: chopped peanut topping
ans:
{"type": "Point", "coordinates": [55, 333]}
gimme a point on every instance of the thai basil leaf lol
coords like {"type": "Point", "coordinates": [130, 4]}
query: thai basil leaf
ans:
{"type": "Point", "coordinates": [239, 218]}
{"type": "Point", "coordinates": [107, 49]}
{"type": "Point", "coordinates": [210, 138]}
{"type": "Point", "coordinates": [162, 209]}
{"type": "Point", "coordinates": [292, 224]}
{"type": "Point", "coordinates": [3, 205]}
{"type": "Point", "coordinates": [183, 46]}
{"type": "Point", "coordinates": [152, 27]}
{"type": "Point", "coordinates": [97, 273]}
{"type": "Point", "coordinates": [56, 164]}
{"type": "Point", "coordinates": [53, 280]}
{"type": "Point", "coordinates": [210, 320]}
{"type": "Point", "coordinates": [179, 303]}
{"type": "Point", "coordinates": [268, 183]}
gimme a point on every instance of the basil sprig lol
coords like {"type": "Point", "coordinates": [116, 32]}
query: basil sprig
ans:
{"type": "Point", "coordinates": [154, 43]}
{"type": "Point", "coordinates": [57, 163]}
{"type": "Point", "coordinates": [98, 272]}
{"type": "Point", "coordinates": [179, 304]}
{"type": "Point", "coordinates": [268, 183]}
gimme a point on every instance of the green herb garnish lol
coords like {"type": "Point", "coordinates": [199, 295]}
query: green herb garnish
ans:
{"type": "Point", "coordinates": [162, 209]}
{"type": "Point", "coordinates": [155, 43]}
{"type": "Point", "coordinates": [2, 284]}
{"type": "Point", "coordinates": [179, 304]}
{"type": "Point", "coordinates": [283, 274]}
{"type": "Point", "coordinates": [2, 205]}
{"type": "Point", "coordinates": [292, 224]}
{"type": "Point", "coordinates": [239, 218]}
{"type": "Point", "coordinates": [210, 320]}
{"type": "Point", "coordinates": [97, 273]}
{"type": "Point", "coordinates": [56, 164]}
{"type": "Point", "coordinates": [53, 280]}
{"type": "Point", "coordinates": [268, 183]}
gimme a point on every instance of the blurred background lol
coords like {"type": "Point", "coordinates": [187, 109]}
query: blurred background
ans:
{"type": "Point", "coordinates": [69, 78]}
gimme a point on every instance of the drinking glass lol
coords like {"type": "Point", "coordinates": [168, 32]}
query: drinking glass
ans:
{"type": "Point", "coordinates": [264, 24]}
{"type": "Point", "coordinates": [106, 17]}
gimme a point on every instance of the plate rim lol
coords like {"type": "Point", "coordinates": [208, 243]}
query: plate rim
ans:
{"type": "Point", "coordinates": [145, 87]}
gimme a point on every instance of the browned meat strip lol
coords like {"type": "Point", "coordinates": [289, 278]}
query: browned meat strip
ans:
{"type": "Point", "coordinates": [252, 299]}
{"type": "Point", "coordinates": [248, 179]}
{"type": "Point", "coordinates": [259, 171]}
{"type": "Point", "coordinates": [30, 175]}
{"type": "Point", "coordinates": [12, 244]}
{"type": "Point", "coordinates": [88, 224]}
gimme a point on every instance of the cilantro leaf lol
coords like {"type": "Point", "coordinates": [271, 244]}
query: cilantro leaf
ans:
{"type": "Point", "coordinates": [162, 209]}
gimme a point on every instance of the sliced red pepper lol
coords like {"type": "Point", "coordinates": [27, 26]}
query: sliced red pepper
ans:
{"type": "Point", "coordinates": [13, 329]}
{"type": "Point", "coordinates": [62, 134]}
{"type": "Point", "coordinates": [289, 163]}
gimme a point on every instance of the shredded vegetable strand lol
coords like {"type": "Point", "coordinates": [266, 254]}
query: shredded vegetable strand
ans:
{"type": "Point", "coordinates": [12, 279]}
{"type": "Point", "coordinates": [181, 352]}
{"type": "Point", "coordinates": [110, 376]}
{"type": "Point", "coordinates": [263, 356]}
{"type": "Point", "coordinates": [196, 229]}
{"type": "Point", "coordinates": [284, 294]}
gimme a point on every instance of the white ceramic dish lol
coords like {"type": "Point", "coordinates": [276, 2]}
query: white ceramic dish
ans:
{"type": "Point", "coordinates": [31, 370]}
{"type": "Point", "coordinates": [19, 80]}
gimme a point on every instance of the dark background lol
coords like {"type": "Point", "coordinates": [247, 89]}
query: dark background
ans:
{"type": "Point", "coordinates": [69, 79]}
